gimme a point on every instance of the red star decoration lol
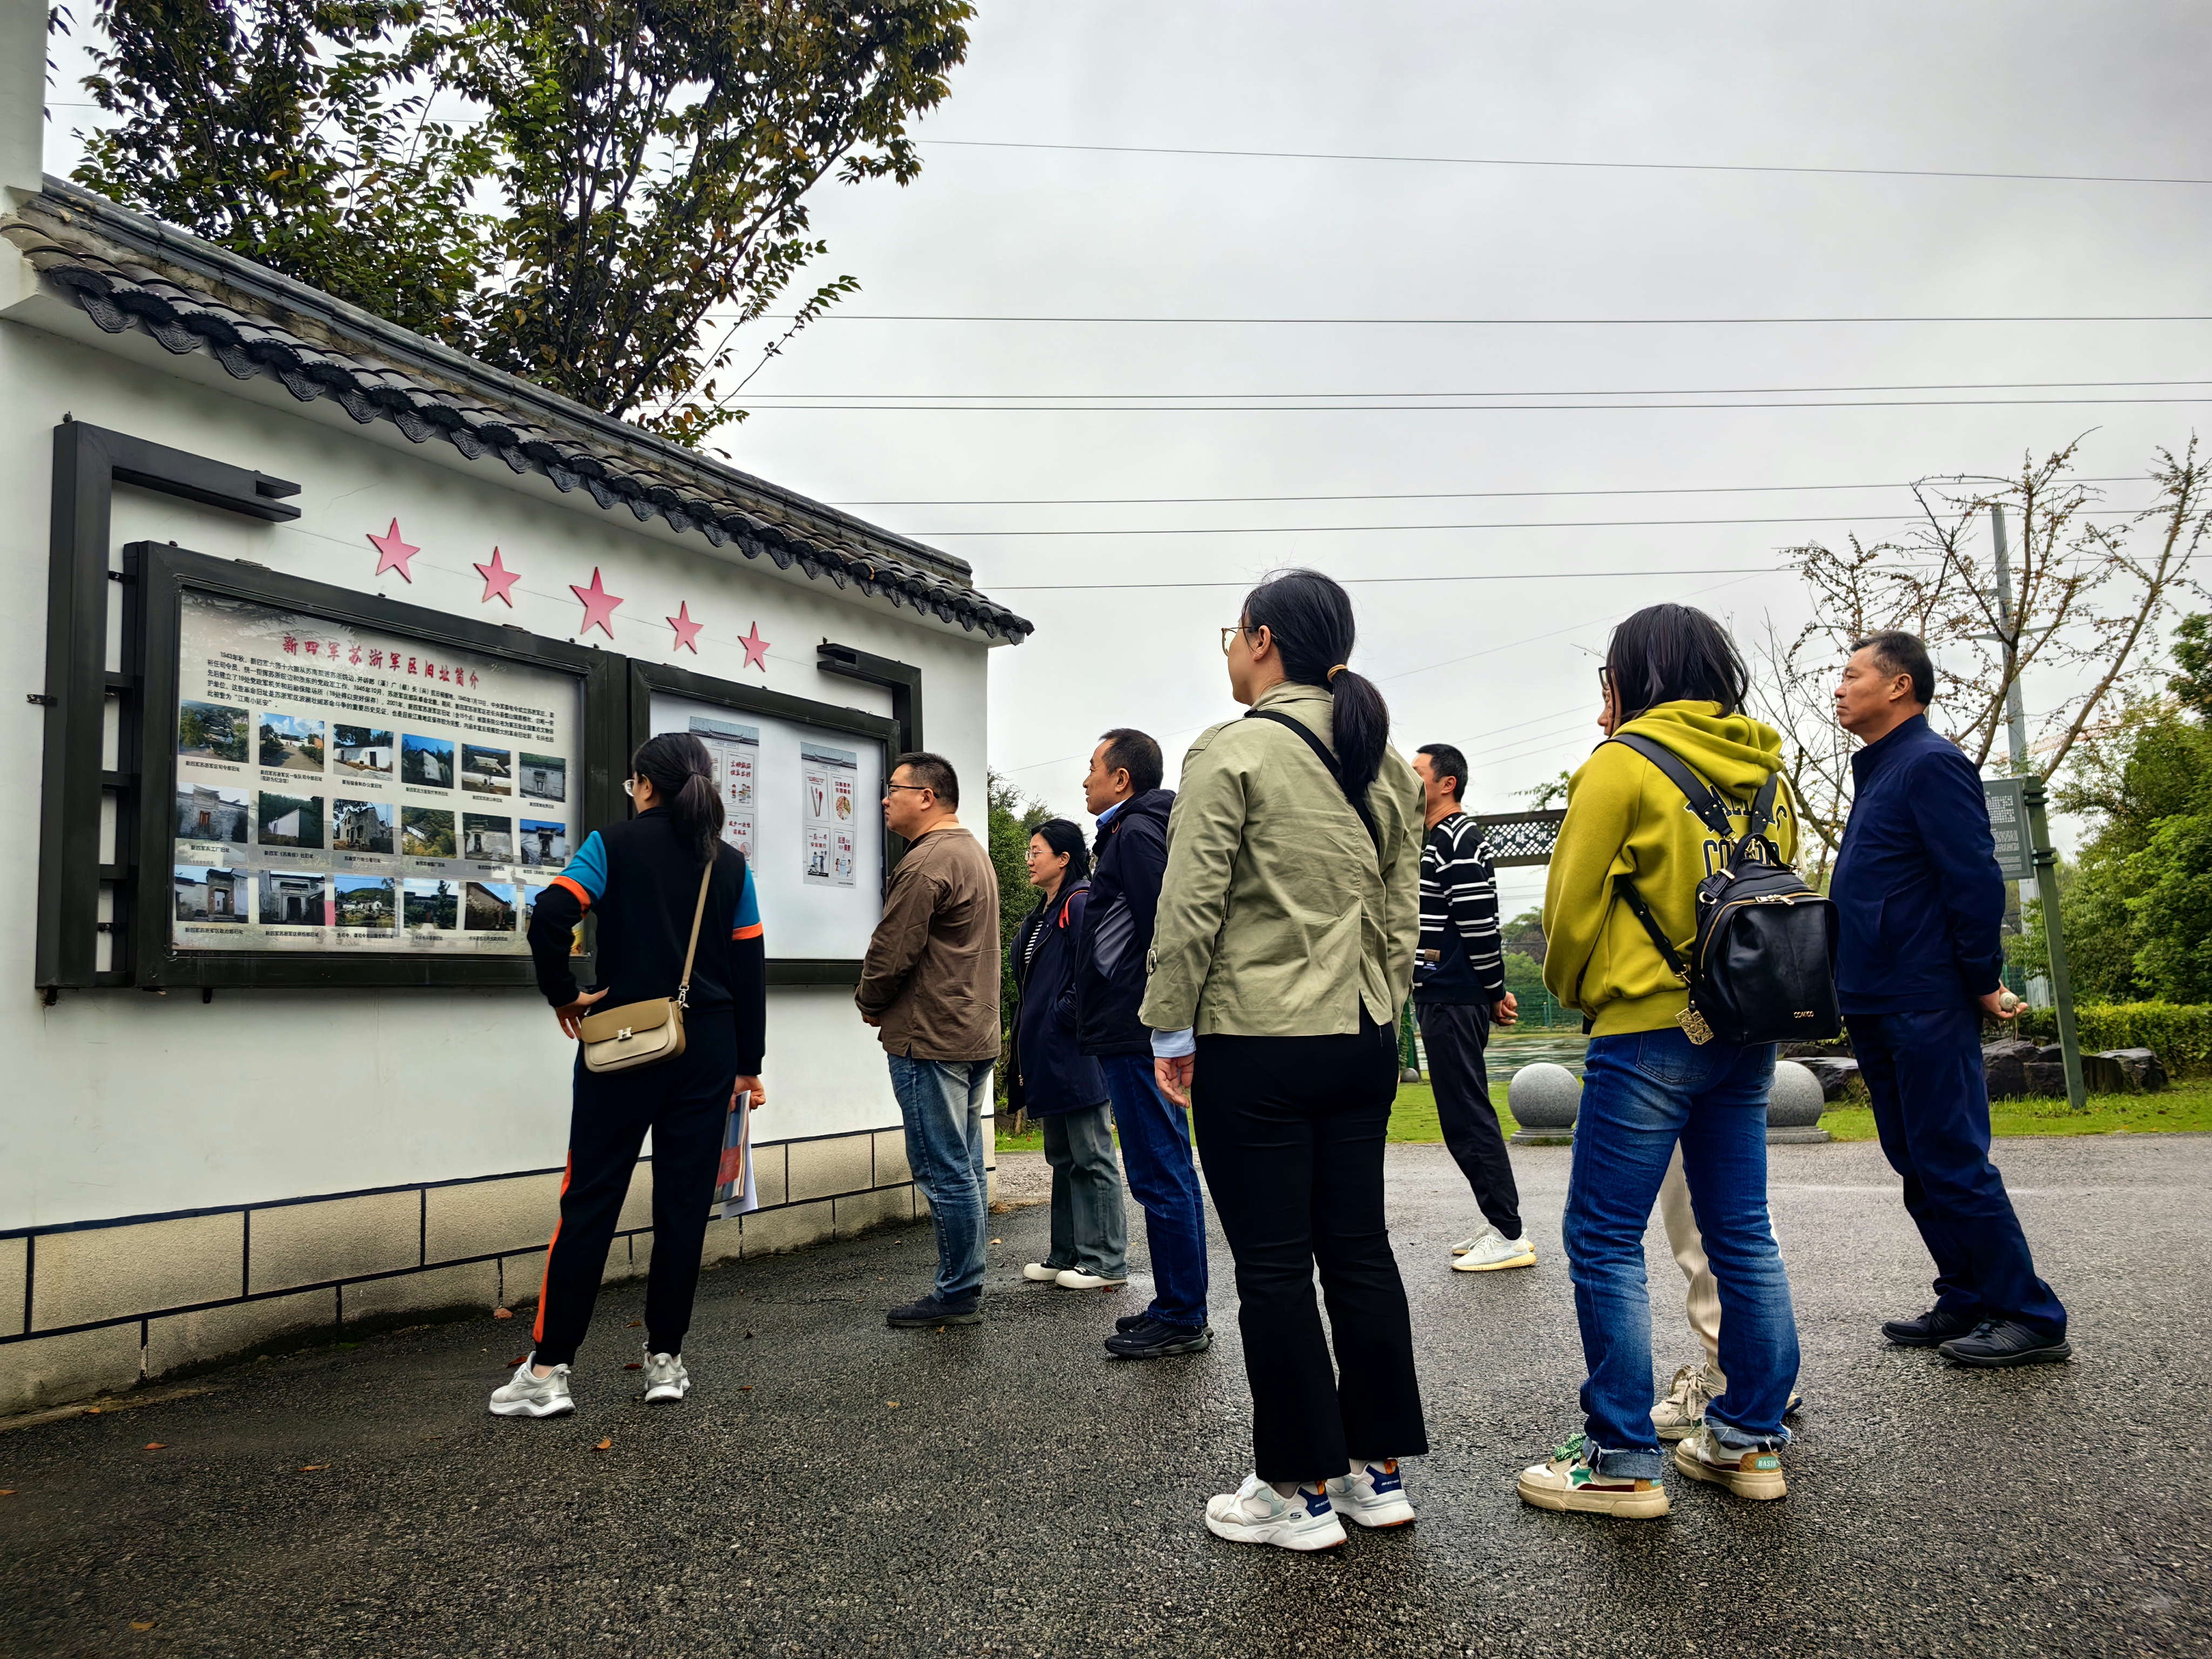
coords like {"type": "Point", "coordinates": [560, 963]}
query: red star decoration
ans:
{"type": "Point", "coordinates": [756, 649]}
{"type": "Point", "coordinates": [599, 605]}
{"type": "Point", "coordinates": [498, 580]}
{"type": "Point", "coordinates": [392, 552]}
{"type": "Point", "coordinates": [686, 629]}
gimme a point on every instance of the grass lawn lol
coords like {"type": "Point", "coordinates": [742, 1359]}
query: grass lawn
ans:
{"type": "Point", "coordinates": [2186, 1105]}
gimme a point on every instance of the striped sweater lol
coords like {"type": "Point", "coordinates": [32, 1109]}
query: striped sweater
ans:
{"type": "Point", "coordinates": [1462, 959]}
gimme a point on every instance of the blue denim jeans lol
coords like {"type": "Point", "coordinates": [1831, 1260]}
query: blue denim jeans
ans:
{"type": "Point", "coordinates": [1641, 1093]}
{"type": "Point", "coordinates": [1163, 1178]}
{"type": "Point", "coordinates": [942, 1101]}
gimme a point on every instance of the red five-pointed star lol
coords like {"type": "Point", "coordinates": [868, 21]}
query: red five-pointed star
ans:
{"type": "Point", "coordinates": [599, 605]}
{"type": "Point", "coordinates": [498, 580]}
{"type": "Point", "coordinates": [756, 649]}
{"type": "Point", "coordinates": [686, 629]}
{"type": "Point", "coordinates": [392, 552]}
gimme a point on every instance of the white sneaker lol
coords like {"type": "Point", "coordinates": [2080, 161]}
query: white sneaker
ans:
{"type": "Point", "coordinates": [1255, 1514]}
{"type": "Point", "coordinates": [1372, 1495]}
{"type": "Point", "coordinates": [1042, 1273]}
{"type": "Point", "coordinates": [665, 1379]}
{"type": "Point", "coordinates": [1078, 1279]}
{"type": "Point", "coordinates": [525, 1395]}
{"type": "Point", "coordinates": [1470, 1242]}
{"type": "Point", "coordinates": [1683, 1410]}
{"type": "Point", "coordinates": [1752, 1473]}
{"type": "Point", "coordinates": [1489, 1250]}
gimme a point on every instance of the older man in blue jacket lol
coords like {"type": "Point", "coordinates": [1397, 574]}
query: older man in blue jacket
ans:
{"type": "Point", "coordinates": [1919, 958]}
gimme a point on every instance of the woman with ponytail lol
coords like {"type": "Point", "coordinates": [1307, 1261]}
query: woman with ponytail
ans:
{"type": "Point", "coordinates": [1284, 949]}
{"type": "Point", "coordinates": [642, 880]}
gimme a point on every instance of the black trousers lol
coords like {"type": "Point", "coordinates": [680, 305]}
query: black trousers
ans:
{"type": "Point", "coordinates": [684, 1101]}
{"type": "Point", "coordinates": [1290, 1131]}
{"type": "Point", "coordinates": [1455, 1035]}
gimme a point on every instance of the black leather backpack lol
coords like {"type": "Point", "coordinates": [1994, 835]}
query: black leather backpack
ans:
{"type": "Point", "coordinates": [1760, 967]}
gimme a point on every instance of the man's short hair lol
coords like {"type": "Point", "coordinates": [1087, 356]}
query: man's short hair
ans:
{"type": "Point", "coordinates": [1446, 762]}
{"type": "Point", "coordinates": [931, 772]}
{"type": "Point", "coordinates": [1899, 653]}
{"type": "Point", "coordinates": [1130, 751]}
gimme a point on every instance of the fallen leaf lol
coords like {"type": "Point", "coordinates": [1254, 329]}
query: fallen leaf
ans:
{"type": "Point", "coordinates": [517, 1360]}
{"type": "Point", "coordinates": [141, 1624]}
{"type": "Point", "coordinates": [634, 1365]}
{"type": "Point", "coordinates": [633, 1324]}
{"type": "Point", "coordinates": [604, 1445]}
{"type": "Point", "coordinates": [744, 1387]}
{"type": "Point", "coordinates": [156, 1445]}
{"type": "Point", "coordinates": [749, 1336]}
{"type": "Point", "coordinates": [998, 1241]}
{"type": "Point", "coordinates": [502, 1313]}
{"type": "Point", "coordinates": [310, 1468]}
{"type": "Point", "coordinates": [92, 1411]}
{"type": "Point", "coordinates": [7, 1491]}
{"type": "Point", "coordinates": [893, 1404]}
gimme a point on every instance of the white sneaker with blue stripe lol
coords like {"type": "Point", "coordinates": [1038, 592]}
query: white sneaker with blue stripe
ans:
{"type": "Point", "coordinates": [1255, 1513]}
{"type": "Point", "coordinates": [1372, 1495]}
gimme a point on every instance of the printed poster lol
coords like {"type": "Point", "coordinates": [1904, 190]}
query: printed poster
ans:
{"type": "Point", "coordinates": [735, 750]}
{"type": "Point", "coordinates": [345, 788]}
{"type": "Point", "coordinates": [828, 788]}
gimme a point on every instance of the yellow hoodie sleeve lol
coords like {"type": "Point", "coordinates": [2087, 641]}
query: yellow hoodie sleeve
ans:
{"type": "Point", "coordinates": [1603, 797]}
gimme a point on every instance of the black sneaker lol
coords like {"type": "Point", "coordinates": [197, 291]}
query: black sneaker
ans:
{"type": "Point", "coordinates": [1130, 1321]}
{"type": "Point", "coordinates": [931, 1310]}
{"type": "Point", "coordinates": [1931, 1329]}
{"type": "Point", "coordinates": [1997, 1342]}
{"type": "Point", "coordinates": [1155, 1338]}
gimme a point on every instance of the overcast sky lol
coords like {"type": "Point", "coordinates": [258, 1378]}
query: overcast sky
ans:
{"type": "Point", "coordinates": [1505, 668]}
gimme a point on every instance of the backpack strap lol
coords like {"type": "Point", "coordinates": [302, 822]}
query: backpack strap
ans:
{"type": "Point", "coordinates": [1711, 811]}
{"type": "Point", "coordinates": [1327, 760]}
{"type": "Point", "coordinates": [1668, 953]}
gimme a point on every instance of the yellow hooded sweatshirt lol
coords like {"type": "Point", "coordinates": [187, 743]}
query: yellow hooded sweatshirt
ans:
{"type": "Point", "coordinates": [1625, 817]}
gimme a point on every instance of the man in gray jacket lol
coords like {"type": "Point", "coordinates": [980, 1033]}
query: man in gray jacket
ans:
{"type": "Point", "coordinates": [930, 984]}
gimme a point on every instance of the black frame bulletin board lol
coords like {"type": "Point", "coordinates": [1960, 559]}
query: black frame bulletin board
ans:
{"type": "Point", "coordinates": [852, 725]}
{"type": "Point", "coordinates": [156, 578]}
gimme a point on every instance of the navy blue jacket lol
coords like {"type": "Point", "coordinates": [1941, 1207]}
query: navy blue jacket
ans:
{"type": "Point", "coordinates": [1047, 1073]}
{"type": "Point", "coordinates": [1916, 886]}
{"type": "Point", "coordinates": [1130, 861]}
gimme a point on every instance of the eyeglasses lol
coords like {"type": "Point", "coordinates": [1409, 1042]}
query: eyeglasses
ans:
{"type": "Point", "coordinates": [1604, 678]}
{"type": "Point", "coordinates": [917, 788]}
{"type": "Point", "coordinates": [1228, 635]}
{"type": "Point", "coordinates": [630, 788]}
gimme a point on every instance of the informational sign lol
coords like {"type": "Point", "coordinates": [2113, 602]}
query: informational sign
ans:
{"type": "Point", "coordinates": [735, 750]}
{"type": "Point", "coordinates": [2008, 803]}
{"type": "Point", "coordinates": [828, 805]}
{"type": "Point", "coordinates": [345, 788]}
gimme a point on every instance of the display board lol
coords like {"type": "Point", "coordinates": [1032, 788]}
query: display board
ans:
{"type": "Point", "coordinates": [2007, 799]}
{"type": "Point", "coordinates": [328, 775]}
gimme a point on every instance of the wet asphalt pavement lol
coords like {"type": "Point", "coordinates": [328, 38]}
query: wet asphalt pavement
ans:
{"type": "Point", "coordinates": [834, 1487]}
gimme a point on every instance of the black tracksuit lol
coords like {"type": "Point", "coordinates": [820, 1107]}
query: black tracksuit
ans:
{"type": "Point", "coordinates": [642, 882]}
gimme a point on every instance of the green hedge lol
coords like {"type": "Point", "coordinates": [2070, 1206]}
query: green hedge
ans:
{"type": "Point", "coordinates": [2180, 1035]}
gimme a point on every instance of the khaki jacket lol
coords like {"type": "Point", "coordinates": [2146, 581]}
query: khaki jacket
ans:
{"type": "Point", "coordinates": [1276, 917]}
{"type": "Point", "coordinates": [931, 976]}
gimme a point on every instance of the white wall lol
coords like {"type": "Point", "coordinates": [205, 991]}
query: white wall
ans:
{"type": "Point", "coordinates": [122, 1103]}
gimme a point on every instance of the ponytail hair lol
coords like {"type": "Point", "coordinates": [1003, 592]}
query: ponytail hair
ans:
{"type": "Point", "coordinates": [1309, 618]}
{"type": "Point", "coordinates": [682, 773]}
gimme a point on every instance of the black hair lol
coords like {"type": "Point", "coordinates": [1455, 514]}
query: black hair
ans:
{"type": "Point", "coordinates": [1309, 618]}
{"type": "Point", "coordinates": [1675, 653]}
{"type": "Point", "coordinates": [931, 772]}
{"type": "Point", "coordinates": [1130, 751]}
{"type": "Point", "coordinates": [1446, 762]}
{"type": "Point", "coordinates": [682, 773]}
{"type": "Point", "coordinates": [1062, 837]}
{"type": "Point", "coordinates": [1899, 653]}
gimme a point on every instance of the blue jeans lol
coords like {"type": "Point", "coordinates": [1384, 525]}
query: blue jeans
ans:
{"type": "Point", "coordinates": [1641, 1093]}
{"type": "Point", "coordinates": [1163, 1178]}
{"type": "Point", "coordinates": [942, 1101]}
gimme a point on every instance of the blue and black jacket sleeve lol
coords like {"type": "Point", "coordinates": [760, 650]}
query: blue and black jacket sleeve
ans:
{"type": "Point", "coordinates": [554, 918]}
{"type": "Point", "coordinates": [749, 978]}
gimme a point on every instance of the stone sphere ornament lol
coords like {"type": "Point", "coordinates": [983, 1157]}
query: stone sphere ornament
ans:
{"type": "Point", "coordinates": [1544, 1099]}
{"type": "Point", "coordinates": [1794, 1106]}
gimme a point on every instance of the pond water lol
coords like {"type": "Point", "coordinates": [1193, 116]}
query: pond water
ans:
{"type": "Point", "coordinates": [1509, 1051]}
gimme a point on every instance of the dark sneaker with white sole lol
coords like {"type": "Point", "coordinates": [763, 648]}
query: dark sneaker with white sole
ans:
{"type": "Point", "coordinates": [1932, 1329]}
{"type": "Point", "coordinates": [1999, 1342]}
{"type": "Point", "coordinates": [932, 1311]}
{"type": "Point", "coordinates": [1155, 1338]}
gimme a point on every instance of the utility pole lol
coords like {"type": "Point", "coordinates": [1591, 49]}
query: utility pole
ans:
{"type": "Point", "coordinates": [2044, 856]}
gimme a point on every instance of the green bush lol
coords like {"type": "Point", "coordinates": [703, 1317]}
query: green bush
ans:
{"type": "Point", "coordinates": [2179, 1034]}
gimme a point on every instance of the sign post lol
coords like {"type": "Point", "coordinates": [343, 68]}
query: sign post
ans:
{"type": "Point", "coordinates": [2028, 792]}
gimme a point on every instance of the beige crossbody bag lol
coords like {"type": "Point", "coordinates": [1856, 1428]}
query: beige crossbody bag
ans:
{"type": "Point", "coordinates": [645, 1033]}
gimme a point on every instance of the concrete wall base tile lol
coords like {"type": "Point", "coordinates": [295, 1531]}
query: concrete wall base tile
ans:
{"type": "Point", "coordinates": [521, 1278]}
{"type": "Point", "coordinates": [771, 1232]}
{"type": "Point", "coordinates": [892, 1167]}
{"type": "Point", "coordinates": [193, 1338]}
{"type": "Point", "coordinates": [101, 1272]}
{"type": "Point", "coordinates": [725, 1243]}
{"type": "Point", "coordinates": [820, 1168]}
{"type": "Point", "coordinates": [48, 1370]}
{"type": "Point", "coordinates": [341, 1238]}
{"type": "Point", "coordinates": [771, 1167]}
{"type": "Point", "coordinates": [862, 1210]}
{"type": "Point", "coordinates": [467, 1285]}
{"type": "Point", "coordinates": [480, 1217]}
{"type": "Point", "coordinates": [640, 1255]}
{"type": "Point", "coordinates": [14, 1263]}
{"type": "Point", "coordinates": [637, 1206]}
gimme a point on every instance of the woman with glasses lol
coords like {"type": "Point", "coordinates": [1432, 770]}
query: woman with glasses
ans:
{"type": "Point", "coordinates": [644, 880]}
{"type": "Point", "coordinates": [1284, 949]}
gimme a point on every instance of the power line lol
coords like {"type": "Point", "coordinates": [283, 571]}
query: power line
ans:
{"type": "Point", "coordinates": [1527, 161]}
{"type": "Point", "coordinates": [1483, 322]}
{"type": "Point", "coordinates": [1359, 582]}
{"type": "Point", "coordinates": [1444, 409]}
{"type": "Point", "coordinates": [1615, 392]}
{"type": "Point", "coordinates": [1422, 495]}
{"type": "Point", "coordinates": [1557, 524]}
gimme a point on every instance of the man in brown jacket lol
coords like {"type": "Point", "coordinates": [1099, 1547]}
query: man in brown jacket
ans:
{"type": "Point", "coordinates": [930, 984]}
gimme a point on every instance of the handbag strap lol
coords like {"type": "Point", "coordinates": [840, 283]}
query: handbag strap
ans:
{"type": "Point", "coordinates": [1329, 761]}
{"type": "Point", "coordinates": [1704, 800]}
{"type": "Point", "coordinates": [698, 910]}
